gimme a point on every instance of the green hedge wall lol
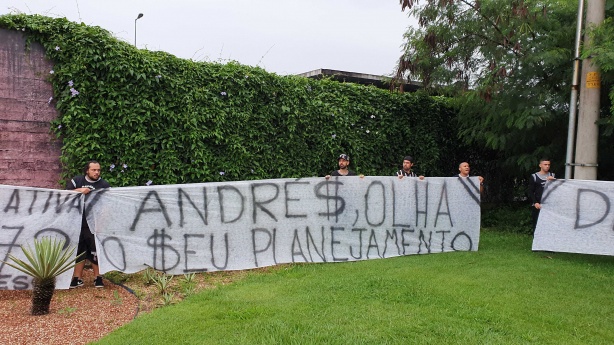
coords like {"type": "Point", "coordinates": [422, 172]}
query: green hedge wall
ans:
{"type": "Point", "coordinates": [149, 116]}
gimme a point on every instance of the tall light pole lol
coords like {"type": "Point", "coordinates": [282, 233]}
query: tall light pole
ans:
{"type": "Point", "coordinates": [137, 18]}
{"type": "Point", "coordinates": [573, 103]}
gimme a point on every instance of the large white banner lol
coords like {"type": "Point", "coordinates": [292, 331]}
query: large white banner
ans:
{"type": "Point", "coordinates": [32, 213]}
{"type": "Point", "coordinates": [240, 225]}
{"type": "Point", "coordinates": [576, 217]}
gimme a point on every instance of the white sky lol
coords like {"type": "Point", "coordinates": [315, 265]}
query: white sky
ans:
{"type": "Point", "coordinates": [281, 36]}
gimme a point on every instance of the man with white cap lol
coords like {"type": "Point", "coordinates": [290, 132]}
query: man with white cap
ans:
{"type": "Point", "coordinates": [344, 162]}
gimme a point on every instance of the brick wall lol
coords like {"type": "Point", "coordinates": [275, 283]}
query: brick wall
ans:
{"type": "Point", "coordinates": [29, 153]}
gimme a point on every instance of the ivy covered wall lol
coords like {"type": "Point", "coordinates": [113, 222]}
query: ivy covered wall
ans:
{"type": "Point", "coordinates": [150, 117]}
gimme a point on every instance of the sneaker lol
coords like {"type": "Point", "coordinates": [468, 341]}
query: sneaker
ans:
{"type": "Point", "coordinates": [76, 282]}
{"type": "Point", "coordinates": [98, 282]}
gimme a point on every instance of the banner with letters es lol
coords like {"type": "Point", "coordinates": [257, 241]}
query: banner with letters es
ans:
{"type": "Point", "coordinates": [576, 217]}
{"type": "Point", "coordinates": [31, 213]}
{"type": "Point", "coordinates": [248, 224]}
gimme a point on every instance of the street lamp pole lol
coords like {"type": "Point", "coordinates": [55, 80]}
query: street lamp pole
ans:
{"type": "Point", "coordinates": [137, 18]}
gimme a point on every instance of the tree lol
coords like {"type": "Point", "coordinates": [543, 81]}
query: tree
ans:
{"type": "Point", "coordinates": [48, 260]}
{"type": "Point", "coordinates": [508, 65]}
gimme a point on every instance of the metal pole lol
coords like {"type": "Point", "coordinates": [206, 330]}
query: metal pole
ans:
{"type": "Point", "coordinates": [137, 18]}
{"type": "Point", "coordinates": [573, 103]}
{"type": "Point", "coordinates": [586, 157]}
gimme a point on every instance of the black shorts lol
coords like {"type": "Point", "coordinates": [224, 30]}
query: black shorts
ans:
{"type": "Point", "coordinates": [87, 245]}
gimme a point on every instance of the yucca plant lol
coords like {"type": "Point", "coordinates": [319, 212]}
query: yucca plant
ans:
{"type": "Point", "coordinates": [149, 276]}
{"type": "Point", "coordinates": [163, 282]}
{"type": "Point", "coordinates": [189, 278]}
{"type": "Point", "coordinates": [48, 260]}
{"type": "Point", "coordinates": [167, 298]}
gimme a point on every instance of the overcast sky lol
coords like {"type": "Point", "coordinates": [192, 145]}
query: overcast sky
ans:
{"type": "Point", "coordinates": [281, 36]}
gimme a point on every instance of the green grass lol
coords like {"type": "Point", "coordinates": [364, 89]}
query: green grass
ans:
{"type": "Point", "coordinates": [502, 294]}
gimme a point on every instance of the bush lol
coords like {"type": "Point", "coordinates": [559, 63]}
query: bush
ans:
{"type": "Point", "coordinates": [508, 217]}
{"type": "Point", "coordinates": [150, 117]}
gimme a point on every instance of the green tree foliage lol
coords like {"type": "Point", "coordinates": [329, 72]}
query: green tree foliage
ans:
{"type": "Point", "coordinates": [149, 116]}
{"type": "Point", "coordinates": [509, 64]}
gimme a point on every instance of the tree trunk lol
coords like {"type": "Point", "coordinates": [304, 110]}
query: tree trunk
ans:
{"type": "Point", "coordinates": [41, 296]}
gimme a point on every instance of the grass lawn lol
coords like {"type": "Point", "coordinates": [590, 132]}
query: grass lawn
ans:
{"type": "Point", "coordinates": [502, 294]}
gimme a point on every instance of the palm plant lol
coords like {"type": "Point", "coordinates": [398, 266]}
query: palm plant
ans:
{"type": "Point", "coordinates": [48, 260]}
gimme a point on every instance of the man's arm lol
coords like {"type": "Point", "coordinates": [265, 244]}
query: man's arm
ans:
{"type": "Point", "coordinates": [72, 185]}
{"type": "Point", "coordinates": [82, 190]}
{"type": "Point", "coordinates": [533, 183]}
{"type": "Point", "coordinates": [532, 190]}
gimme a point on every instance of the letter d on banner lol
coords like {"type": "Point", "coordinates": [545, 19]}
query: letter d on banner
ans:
{"type": "Point", "coordinates": [591, 209]}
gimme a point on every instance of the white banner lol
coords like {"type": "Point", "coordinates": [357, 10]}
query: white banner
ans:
{"type": "Point", "coordinates": [247, 224]}
{"type": "Point", "coordinates": [32, 213]}
{"type": "Point", "coordinates": [576, 217]}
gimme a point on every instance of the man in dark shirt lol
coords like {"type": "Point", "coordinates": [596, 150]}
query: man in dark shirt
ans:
{"type": "Point", "coordinates": [85, 184]}
{"type": "Point", "coordinates": [344, 163]}
{"type": "Point", "coordinates": [536, 187]}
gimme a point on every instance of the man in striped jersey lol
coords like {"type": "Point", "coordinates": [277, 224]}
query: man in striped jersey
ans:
{"type": "Point", "coordinates": [408, 163]}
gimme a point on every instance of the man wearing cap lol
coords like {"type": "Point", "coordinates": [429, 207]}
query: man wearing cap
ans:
{"type": "Point", "coordinates": [408, 162]}
{"type": "Point", "coordinates": [344, 162]}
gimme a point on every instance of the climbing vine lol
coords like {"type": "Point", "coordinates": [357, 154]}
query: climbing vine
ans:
{"type": "Point", "coordinates": [150, 117]}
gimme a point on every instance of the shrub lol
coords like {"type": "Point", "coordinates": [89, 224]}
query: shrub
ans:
{"type": "Point", "coordinates": [48, 260]}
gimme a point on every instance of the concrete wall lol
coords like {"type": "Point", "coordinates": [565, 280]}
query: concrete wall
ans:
{"type": "Point", "coordinates": [29, 152]}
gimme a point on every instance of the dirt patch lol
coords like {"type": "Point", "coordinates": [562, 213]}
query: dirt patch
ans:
{"type": "Point", "coordinates": [86, 314]}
